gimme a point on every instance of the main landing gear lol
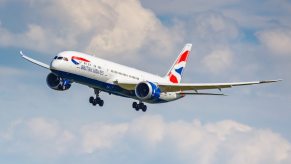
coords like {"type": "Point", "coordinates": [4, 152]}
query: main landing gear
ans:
{"type": "Point", "coordinates": [138, 106]}
{"type": "Point", "coordinates": [97, 100]}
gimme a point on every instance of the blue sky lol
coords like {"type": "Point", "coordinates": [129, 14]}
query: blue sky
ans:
{"type": "Point", "coordinates": [233, 40]}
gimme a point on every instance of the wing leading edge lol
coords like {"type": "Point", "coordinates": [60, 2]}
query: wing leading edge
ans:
{"type": "Point", "coordinates": [170, 87]}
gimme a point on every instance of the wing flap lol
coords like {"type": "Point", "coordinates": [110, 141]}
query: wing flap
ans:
{"type": "Point", "coordinates": [187, 87]}
{"type": "Point", "coordinates": [128, 85]}
{"type": "Point", "coordinates": [207, 94]}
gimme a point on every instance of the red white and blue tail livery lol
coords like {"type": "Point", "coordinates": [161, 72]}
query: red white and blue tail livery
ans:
{"type": "Point", "coordinates": [175, 73]}
{"type": "Point", "coordinates": [101, 75]}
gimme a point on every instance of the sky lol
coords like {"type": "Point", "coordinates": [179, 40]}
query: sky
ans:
{"type": "Point", "coordinates": [233, 40]}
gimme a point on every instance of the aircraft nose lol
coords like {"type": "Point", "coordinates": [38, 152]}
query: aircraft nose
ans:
{"type": "Point", "coordinates": [54, 64]}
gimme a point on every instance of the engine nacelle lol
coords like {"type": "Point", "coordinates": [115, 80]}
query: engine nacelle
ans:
{"type": "Point", "coordinates": [147, 90]}
{"type": "Point", "coordinates": [57, 83]}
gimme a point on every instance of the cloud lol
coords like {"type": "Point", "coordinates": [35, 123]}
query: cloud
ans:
{"type": "Point", "coordinates": [276, 40]}
{"type": "Point", "coordinates": [100, 136]}
{"type": "Point", "coordinates": [133, 28]}
{"type": "Point", "coordinates": [186, 7]}
{"type": "Point", "coordinates": [214, 25]}
{"type": "Point", "coordinates": [218, 60]}
{"type": "Point", "coordinates": [151, 132]}
{"type": "Point", "coordinates": [36, 38]}
{"type": "Point", "coordinates": [36, 136]}
{"type": "Point", "coordinates": [247, 14]}
{"type": "Point", "coordinates": [97, 27]}
{"type": "Point", "coordinates": [214, 37]}
{"type": "Point", "coordinates": [226, 141]}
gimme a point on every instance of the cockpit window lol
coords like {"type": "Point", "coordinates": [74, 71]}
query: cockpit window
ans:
{"type": "Point", "coordinates": [61, 58]}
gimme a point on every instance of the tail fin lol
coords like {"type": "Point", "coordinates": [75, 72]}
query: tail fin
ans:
{"type": "Point", "coordinates": [174, 75]}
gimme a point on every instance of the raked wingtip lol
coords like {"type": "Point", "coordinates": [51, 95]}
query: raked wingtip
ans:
{"type": "Point", "coordinates": [21, 53]}
{"type": "Point", "coordinates": [271, 81]}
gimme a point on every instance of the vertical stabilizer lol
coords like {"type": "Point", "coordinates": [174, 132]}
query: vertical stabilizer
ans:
{"type": "Point", "coordinates": [174, 75]}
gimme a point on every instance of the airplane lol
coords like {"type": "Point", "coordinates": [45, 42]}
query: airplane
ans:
{"type": "Point", "coordinates": [101, 75]}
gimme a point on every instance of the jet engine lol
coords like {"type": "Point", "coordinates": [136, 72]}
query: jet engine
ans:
{"type": "Point", "coordinates": [57, 83]}
{"type": "Point", "coordinates": [147, 90]}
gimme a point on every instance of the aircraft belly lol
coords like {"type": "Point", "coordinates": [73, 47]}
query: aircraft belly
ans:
{"type": "Point", "coordinates": [94, 83]}
{"type": "Point", "coordinates": [112, 88]}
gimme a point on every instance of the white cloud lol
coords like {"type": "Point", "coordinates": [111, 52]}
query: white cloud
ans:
{"type": "Point", "coordinates": [254, 149]}
{"type": "Point", "coordinates": [36, 38]}
{"type": "Point", "coordinates": [247, 14]}
{"type": "Point", "coordinates": [49, 133]}
{"type": "Point", "coordinates": [220, 142]}
{"type": "Point", "coordinates": [98, 27]}
{"type": "Point", "coordinates": [276, 40]}
{"type": "Point", "coordinates": [151, 132]}
{"type": "Point", "coordinates": [42, 129]}
{"type": "Point", "coordinates": [218, 60]}
{"type": "Point", "coordinates": [214, 26]}
{"type": "Point", "coordinates": [185, 7]}
{"type": "Point", "coordinates": [100, 136]}
{"type": "Point", "coordinates": [132, 24]}
{"type": "Point", "coordinates": [36, 136]}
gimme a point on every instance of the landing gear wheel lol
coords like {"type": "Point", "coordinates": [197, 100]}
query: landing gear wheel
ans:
{"type": "Point", "coordinates": [134, 105]}
{"type": "Point", "coordinates": [94, 103]}
{"type": "Point", "coordinates": [91, 99]}
{"type": "Point", "coordinates": [144, 108]}
{"type": "Point", "coordinates": [138, 106]}
{"type": "Point", "coordinates": [101, 102]}
{"type": "Point", "coordinates": [97, 100]}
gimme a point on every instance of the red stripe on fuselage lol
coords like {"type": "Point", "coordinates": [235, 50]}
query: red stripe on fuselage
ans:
{"type": "Point", "coordinates": [81, 59]}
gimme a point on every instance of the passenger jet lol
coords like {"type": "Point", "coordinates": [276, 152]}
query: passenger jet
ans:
{"type": "Point", "coordinates": [106, 76]}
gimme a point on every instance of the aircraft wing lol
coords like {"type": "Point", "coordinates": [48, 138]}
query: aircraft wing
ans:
{"type": "Point", "coordinates": [34, 61]}
{"type": "Point", "coordinates": [170, 87]}
{"type": "Point", "coordinates": [126, 84]}
{"type": "Point", "coordinates": [203, 86]}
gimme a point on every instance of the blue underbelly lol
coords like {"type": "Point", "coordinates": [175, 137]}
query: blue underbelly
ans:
{"type": "Point", "coordinates": [102, 86]}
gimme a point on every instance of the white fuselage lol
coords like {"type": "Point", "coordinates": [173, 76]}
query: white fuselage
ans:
{"type": "Point", "coordinates": [102, 74]}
